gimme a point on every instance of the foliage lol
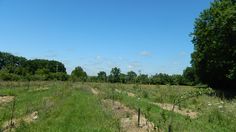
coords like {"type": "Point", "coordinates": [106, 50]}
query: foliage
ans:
{"type": "Point", "coordinates": [6, 76]}
{"type": "Point", "coordinates": [131, 77]}
{"type": "Point", "coordinates": [102, 76]}
{"type": "Point", "coordinates": [190, 76]}
{"type": "Point", "coordinates": [78, 74]}
{"type": "Point", "coordinates": [115, 75]}
{"type": "Point", "coordinates": [214, 39]}
{"type": "Point", "coordinates": [143, 79]}
{"type": "Point", "coordinates": [19, 68]}
{"type": "Point", "coordinates": [61, 76]}
{"type": "Point", "coordinates": [7, 59]}
{"type": "Point", "coordinates": [178, 80]}
{"type": "Point", "coordinates": [51, 66]}
{"type": "Point", "coordinates": [123, 78]}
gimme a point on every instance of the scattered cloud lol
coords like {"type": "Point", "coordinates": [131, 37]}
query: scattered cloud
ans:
{"type": "Point", "coordinates": [183, 53]}
{"type": "Point", "coordinates": [145, 53]}
{"type": "Point", "coordinates": [133, 65]}
{"type": "Point", "coordinates": [70, 50]}
{"type": "Point", "coordinates": [130, 67]}
{"type": "Point", "coordinates": [98, 57]}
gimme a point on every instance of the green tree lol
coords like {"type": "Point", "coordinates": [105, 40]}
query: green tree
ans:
{"type": "Point", "coordinates": [58, 76]}
{"type": "Point", "coordinates": [131, 77]}
{"type": "Point", "coordinates": [123, 78]}
{"type": "Point", "coordinates": [78, 74]}
{"type": "Point", "coordinates": [162, 78]}
{"type": "Point", "coordinates": [11, 63]}
{"type": "Point", "coordinates": [102, 76]}
{"type": "Point", "coordinates": [190, 76]}
{"type": "Point", "coordinates": [214, 39]}
{"type": "Point", "coordinates": [19, 68]}
{"type": "Point", "coordinates": [51, 66]}
{"type": "Point", "coordinates": [178, 80]}
{"type": "Point", "coordinates": [115, 75]}
{"type": "Point", "coordinates": [143, 79]}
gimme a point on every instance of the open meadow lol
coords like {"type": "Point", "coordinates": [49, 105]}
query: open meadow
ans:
{"type": "Point", "coordinates": [68, 106]}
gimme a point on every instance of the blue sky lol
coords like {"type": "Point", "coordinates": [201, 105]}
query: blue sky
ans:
{"type": "Point", "coordinates": [150, 36]}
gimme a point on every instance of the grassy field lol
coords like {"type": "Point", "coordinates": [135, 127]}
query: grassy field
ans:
{"type": "Point", "coordinates": [67, 106]}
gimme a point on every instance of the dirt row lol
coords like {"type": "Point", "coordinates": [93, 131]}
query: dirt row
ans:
{"type": "Point", "coordinates": [14, 123]}
{"type": "Point", "coordinates": [182, 111]}
{"type": "Point", "coordinates": [6, 99]}
{"type": "Point", "coordinates": [169, 107]}
{"type": "Point", "coordinates": [128, 117]}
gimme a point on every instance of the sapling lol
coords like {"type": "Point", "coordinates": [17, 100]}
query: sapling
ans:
{"type": "Point", "coordinates": [12, 114]}
{"type": "Point", "coordinates": [184, 97]}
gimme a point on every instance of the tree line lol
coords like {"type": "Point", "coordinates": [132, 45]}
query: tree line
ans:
{"type": "Point", "coordinates": [13, 68]}
{"type": "Point", "coordinates": [116, 76]}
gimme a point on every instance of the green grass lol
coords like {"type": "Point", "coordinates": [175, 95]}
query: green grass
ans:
{"type": "Point", "coordinates": [61, 108]}
{"type": "Point", "coordinates": [68, 106]}
{"type": "Point", "coordinates": [210, 119]}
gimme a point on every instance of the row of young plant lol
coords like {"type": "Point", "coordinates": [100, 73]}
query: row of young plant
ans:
{"type": "Point", "coordinates": [208, 119]}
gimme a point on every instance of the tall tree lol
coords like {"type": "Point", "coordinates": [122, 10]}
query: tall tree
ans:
{"type": "Point", "coordinates": [11, 63]}
{"type": "Point", "coordinates": [143, 79]}
{"type": "Point", "coordinates": [131, 77]}
{"type": "Point", "coordinates": [190, 75]}
{"type": "Point", "coordinates": [115, 75]}
{"type": "Point", "coordinates": [51, 66]}
{"type": "Point", "coordinates": [102, 76]}
{"type": "Point", "coordinates": [78, 74]}
{"type": "Point", "coordinates": [214, 39]}
{"type": "Point", "coordinates": [123, 78]}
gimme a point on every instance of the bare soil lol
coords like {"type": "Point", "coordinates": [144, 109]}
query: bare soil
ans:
{"type": "Point", "coordinates": [40, 89]}
{"type": "Point", "coordinates": [165, 106]}
{"type": "Point", "coordinates": [94, 91]}
{"type": "Point", "coordinates": [6, 99]}
{"type": "Point", "coordinates": [14, 123]}
{"type": "Point", "coordinates": [129, 93]}
{"type": "Point", "coordinates": [182, 111]}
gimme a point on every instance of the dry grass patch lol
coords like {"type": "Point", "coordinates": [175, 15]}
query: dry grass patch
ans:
{"type": "Point", "coordinates": [182, 111]}
{"type": "Point", "coordinates": [94, 91]}
{"type": "Point", "coordinates": [14, 123]}
{"type": "Point", "coordinates": [6, 99]}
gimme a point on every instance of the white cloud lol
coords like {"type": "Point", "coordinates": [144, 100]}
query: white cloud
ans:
{"type": "Point", "coordinates": [133, 65]}
{"type": "Point", "coordinates": [145, 53]}
{"type": "Point", "coordinates": [130, 67]}
{"type": "Point", "coordinates": [98, 57]}
{"type": "Point", "coordinates": [183, 53]}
